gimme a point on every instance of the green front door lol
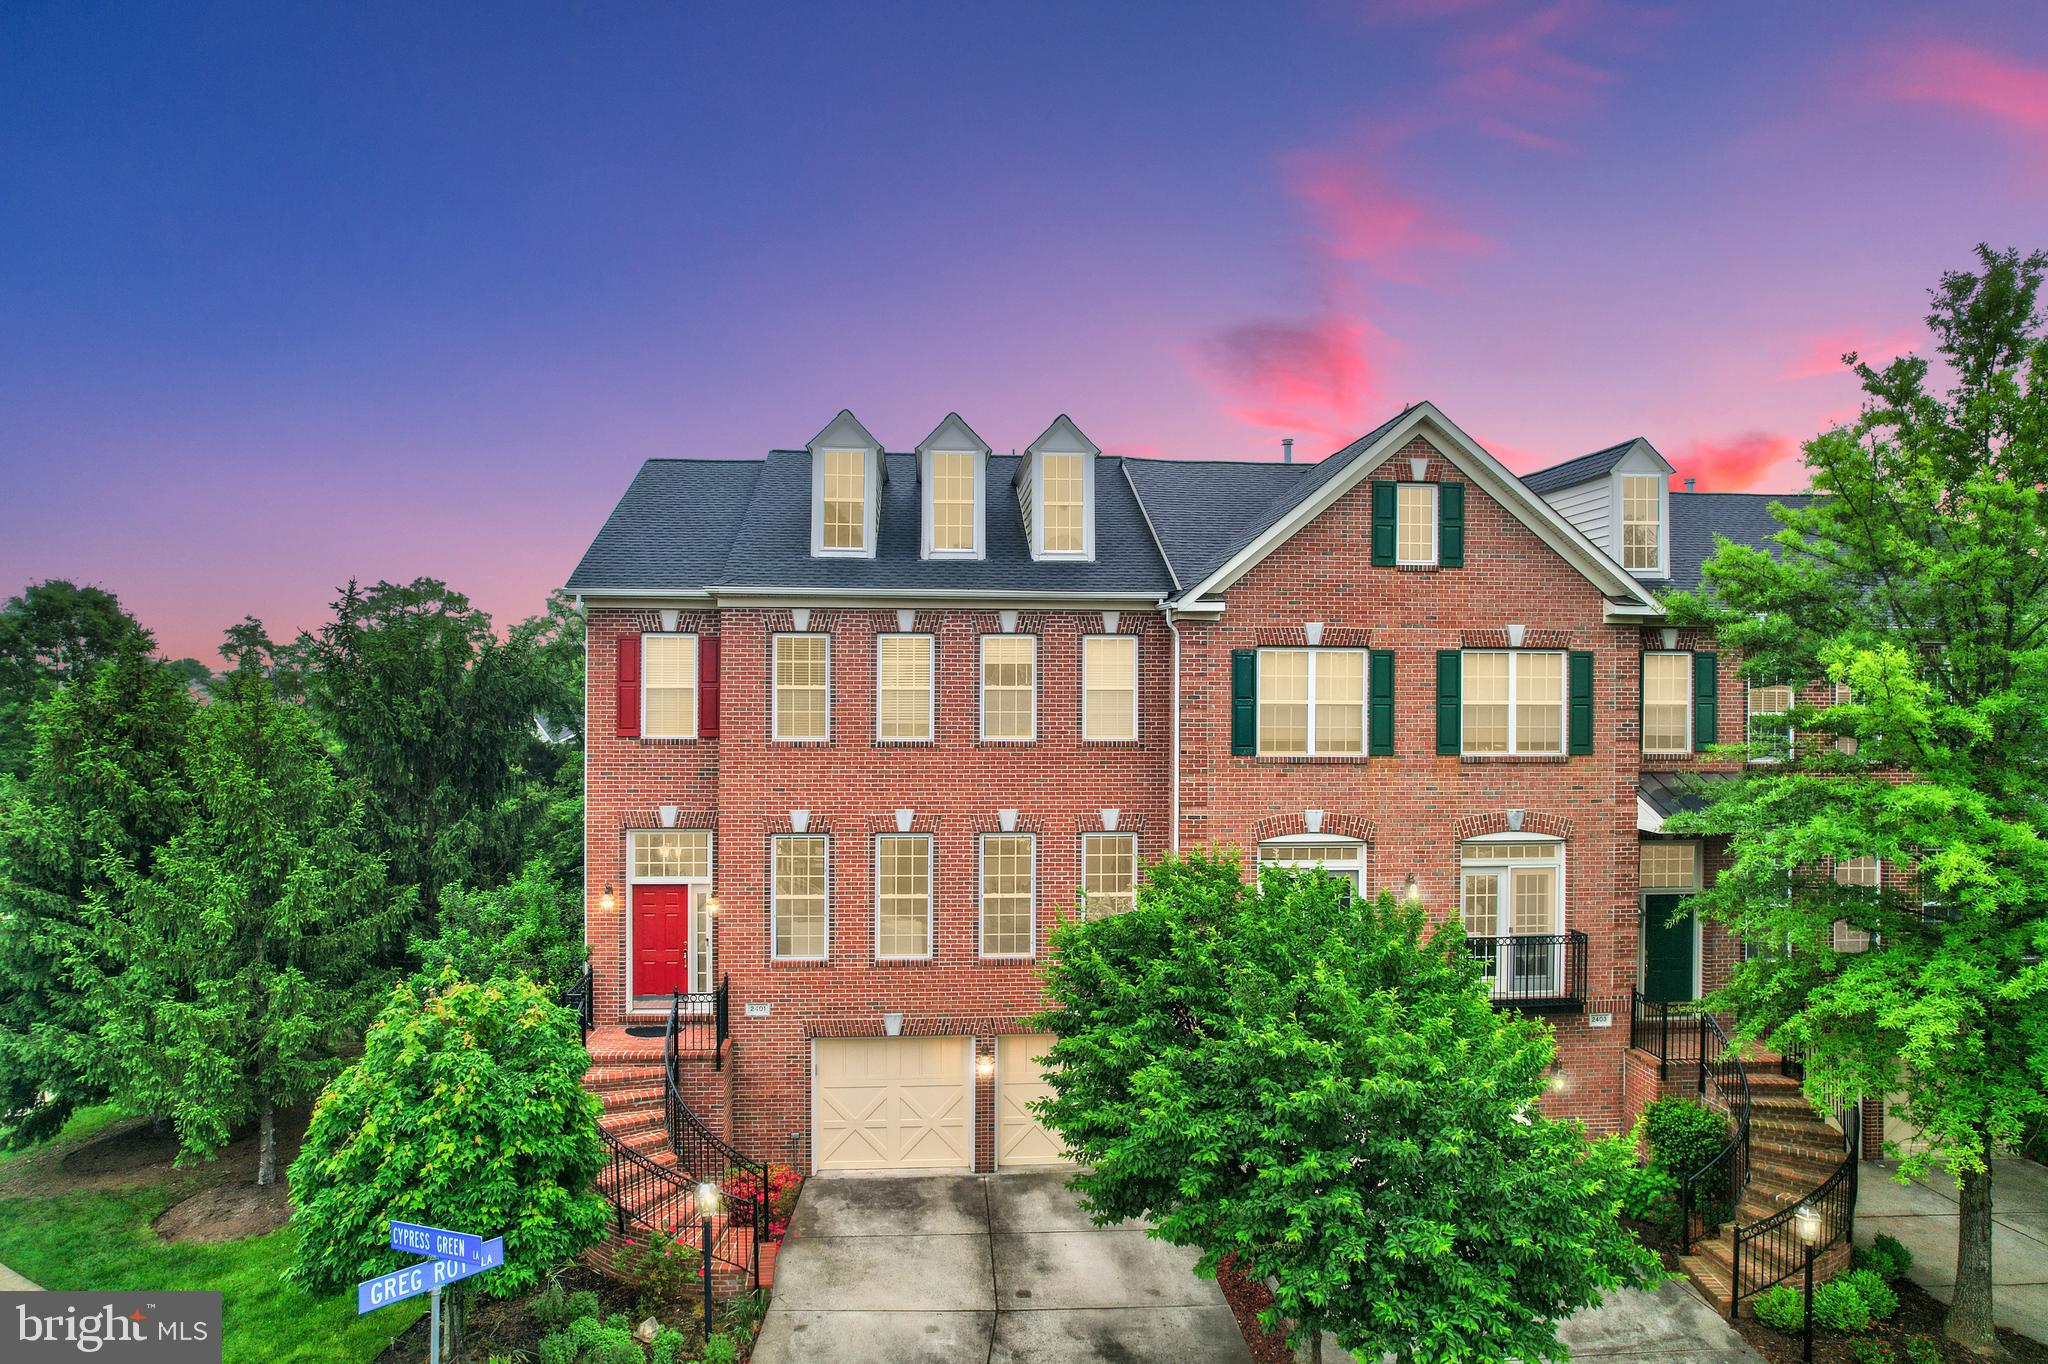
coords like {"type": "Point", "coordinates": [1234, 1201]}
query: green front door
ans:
{"type": "Point", "coordinates": [1667, 948]}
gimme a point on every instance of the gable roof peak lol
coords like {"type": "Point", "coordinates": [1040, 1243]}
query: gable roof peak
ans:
{"type": "Point", "coordinates": [953, 433]}
{"type": "Point", "coordinates": [1063, 437]}
{"type": "Point", "coordinates": [843, 432]}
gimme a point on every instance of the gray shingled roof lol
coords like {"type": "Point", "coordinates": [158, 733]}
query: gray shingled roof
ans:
{"type": "Point", "coordinates": [1199, 507]}
{"type": "Point", "coordinates": [1696, 518]}
{"type": "Point", "coordinates": [671, 530]}
{"type": "Point", "coordinates": [1577, 470]}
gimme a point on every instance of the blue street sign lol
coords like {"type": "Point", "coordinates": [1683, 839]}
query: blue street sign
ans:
{"type": "Point", "coordinates": [436, 1242]}
{"type": "Point", "coordinates": [414, 1280]}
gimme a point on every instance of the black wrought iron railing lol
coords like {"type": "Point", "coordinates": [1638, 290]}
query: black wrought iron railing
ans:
{"type": "Point", "coordinates": [1770, 1250]}
{"type": "Point", "coordinates": [1667, 1030]}
{"type": "Point", "coordinates": [699, 1024]}
{"type": "Point", "coordinates": [1792, 1063]}
{"type": "Point", "coordinates": [1535, 971]}
{"type": "Point", "coordinates": [708, 1158]}
{"type": "Point", "coordinates": [1709, 1196]}
{"type": "Point", "coordinates": [577, 998]}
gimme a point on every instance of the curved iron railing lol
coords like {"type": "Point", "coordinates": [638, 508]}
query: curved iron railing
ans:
{"type": "Point", "coordinates": [700, 1152]}
{"type": "Point", "coordinates": [1769, 1251]}
{"type": "Point", "coordinates": [576, 997]}
{"type": "Point", "coordinates": [1708, 1197]}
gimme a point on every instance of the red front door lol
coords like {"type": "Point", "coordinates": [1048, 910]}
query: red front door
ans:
{"type": "Point", "coordinates": [661, 939]}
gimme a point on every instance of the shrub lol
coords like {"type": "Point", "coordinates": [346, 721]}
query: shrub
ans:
{"type": "Point", "coordinates": [721, 1349]}
{"type": "Point", "coordinates": [663, 1269]}
{"type": "Point", "coordinates": [1872, 1352]}
{"type": "Point", "coordinates": [615, 1346]}
{"type": "Point", "coordinates": [1649, 1194]}
{"type": "Point", "coordinates": [1781, 1307]}
{"type": "Point", "coordinates": [558, 1348]}
{"type": "Point", "coordinates": [1683, 1134]}
{"type": "Point", "coordinates": [669, 1345]}
{"type": "Point", "coordinates": [468, 1110]}
{"type": "Point", "coordinates": [1887, 1256]}
{"type": "Point", "coordinates": [784, 1184]}
{"type": "Point", "coordinates": [550, 1306]}
{"type": "Point", "coordinates": [583, 1303]}
{"type": "Point", "coordinates": [1839, 1307]}
{"type": "Point", "coordinates": [1922, 1350]}
{"type": "Point", "coordinates": [1878, 1297]}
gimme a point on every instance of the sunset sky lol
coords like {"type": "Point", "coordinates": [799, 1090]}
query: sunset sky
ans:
{"type": "Point", "coordinates": [292, 294]}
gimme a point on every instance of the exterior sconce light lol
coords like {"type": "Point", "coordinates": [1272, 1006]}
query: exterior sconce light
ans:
{"type": "Point", "coordinates": [608, 902]}
{"type": "Point", "coordinates": [984, 1065]}
{"type": "Point", "coordinates": [1411, 890]}
{"type": "Point", "coordinates": [711, 905]}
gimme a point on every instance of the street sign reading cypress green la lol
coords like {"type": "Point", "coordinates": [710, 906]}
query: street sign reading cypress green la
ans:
{"type": "Point", "coordinates": [457, 1256]}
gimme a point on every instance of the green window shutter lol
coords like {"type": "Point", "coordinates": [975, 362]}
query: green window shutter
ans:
{"type": "Point", "coordinates": [1244, 700]}
{"type": "Point", "coordinates": [1580, 667]}
{"type": "Point", "coordinates": [1382, 525]}
{"type": "Point", "coordinates": [1450, 719]}
{"type": "Point", "coordinates": [1706, 699]}
{"type": "Point", "coordinates": [1450, 525]}
{"type": "Point", "coordinates": [1380, 728]}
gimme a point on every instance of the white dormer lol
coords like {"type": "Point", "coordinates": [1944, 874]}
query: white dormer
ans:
{"type": "Point", "coordinates": [846, 489]}
{"type": "Point", "coordinates": [1621, 499]}
{"type": "Point", "coordinates": [1056, 491]}
{"type": "Point", "coordinates": [952, 497]}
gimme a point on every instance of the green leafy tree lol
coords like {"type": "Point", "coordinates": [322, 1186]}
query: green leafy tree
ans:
{"type": "Point", "coordinates": [53, 633]}
{"type": "Point", "coordinates": [531, 926]}
{"type": "Point", "coordinates": [552, 643]}
{"type": "Point", "coordinates": [226, 972]}
{"type": "Point", "coordinates": [105, 778]}
{"type": "Point", "coordinates": [1917, 580]}
{"type": "Point", "coordinates": [467, 1110]}
{"type": "Point", "coordinates": [1321, 1087]}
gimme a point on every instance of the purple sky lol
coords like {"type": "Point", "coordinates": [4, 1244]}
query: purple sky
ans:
{"type": "Point", "coordinates": [294, 293]}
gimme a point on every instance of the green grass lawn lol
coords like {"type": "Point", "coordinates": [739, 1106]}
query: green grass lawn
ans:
{"type": "Point", "coordinates": [101, 1239]}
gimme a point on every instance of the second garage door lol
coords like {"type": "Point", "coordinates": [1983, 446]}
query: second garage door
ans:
{"type": "Point", "coordinates": [1022, 1138]}
{"type": "Point", "coordinates": [893, 1103]}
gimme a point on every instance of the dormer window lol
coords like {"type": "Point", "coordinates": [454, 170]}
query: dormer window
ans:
{"type": "Point", "coordinates": [1056, 493]}
{"type": "Point", "coordinates": [1642, 522]}
{"type": "Point", "coordinates": [952, 465]}
{"type": "Point", "coordinates": [846, 487]}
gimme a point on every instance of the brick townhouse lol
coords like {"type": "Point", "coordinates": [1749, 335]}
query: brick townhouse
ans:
{"type": "Point", "coordinates": [863, 724]}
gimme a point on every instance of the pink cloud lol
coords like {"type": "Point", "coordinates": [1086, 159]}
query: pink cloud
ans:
{"type": "Point", "coordinates": [1360, 217]}
{"type": "Point", "coordinates": [1754, 462]}
{"type": "Point", "coordinates": [1308, 378]}
{"type": "Point", "coordinates": [1968, 78]}
{"type": "Point", "coordinates": [1818, 356]}
{"type": "Point", "coordinates": [1550, 63]}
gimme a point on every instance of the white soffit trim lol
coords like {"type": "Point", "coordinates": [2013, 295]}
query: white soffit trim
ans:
{"type": "Point", "coordinates": [1475, 463]}
{"type": "Point", "coordinates": [1648, 821]}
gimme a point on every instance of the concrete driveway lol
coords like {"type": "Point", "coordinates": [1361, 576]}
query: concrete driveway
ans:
{"type": "Point", "coordinates": [998, 1268]}
{"type": "Point", "coordinates": [1924, 1215]}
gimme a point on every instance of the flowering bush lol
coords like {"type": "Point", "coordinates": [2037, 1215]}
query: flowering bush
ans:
{"type": "Point", "coordinates": [784, 1184]}
{"type": "Point", "coordinates": [663, 1267]}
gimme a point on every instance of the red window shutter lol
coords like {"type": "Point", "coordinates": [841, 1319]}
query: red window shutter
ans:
{"type": "Point", "coordinates": [707, 688]}
{"type": "Point", "coordinates": [629, 686]}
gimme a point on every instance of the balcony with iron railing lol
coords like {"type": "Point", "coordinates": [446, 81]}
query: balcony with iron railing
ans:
{"type": "Point", "coordinates": [1539, 972]}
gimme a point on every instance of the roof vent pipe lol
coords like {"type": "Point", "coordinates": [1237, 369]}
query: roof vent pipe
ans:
{"type": "Point", "coordinates": [1287, 450]}
{"type": "Point", "coordinates": [1689, 484]}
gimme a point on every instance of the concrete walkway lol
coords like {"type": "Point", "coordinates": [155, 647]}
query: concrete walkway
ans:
{"type": "Point", "coordinates": [11, 1282]}
{"type": "Point", "coordinates": [998, 1268]}
{"type": "Point", "coordinates": [1670, 1323]}
{"type": "Point", "coordinates": [1924, 1214]}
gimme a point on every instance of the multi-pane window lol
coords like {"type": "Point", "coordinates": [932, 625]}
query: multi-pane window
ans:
{"type": "Point", "coordinates": [1770, 723]}
{"type": "Point", "coordinates": [668, 686]}
{"type": "Point", "coordinates": [799, 905]}
{"type": "Point", "coordinates": [1667, 703]}
{"type": "Point", "coordinates": [1845, 696]}
{"type": "Point", "coordinates": [903, 688]}
{"type": "Point", "coordinates": [1109, 687]}
{"type": "Point", "coordinates": [1670, 866]}
{"type": "Point", "coordinates": [903, 896]}
{"type": "Point", "coordinates": [1061, 477]}
{"type": "Point", "coordinates": [1311, 701]}
{"type": "Point", "coordinates": [1109, 873]}
{"type": "Point", "coordinates": [1513, 894]}
{"type": "Point", "coordinates": [953, 493]}
{"type": "Point", "coordinates": [671, 855]}
{"type": "Point", "coordinates": [1513, 702]}
{"type": "Point", "coordinates": [846, 498]}
{"type": "Point", "coordinates": [1339, 857]}
{"type": "Point", "coordinates": [1009, 686]}
{"type": "Point", "coordinates": [1007, 921]}
{"type": "Point", "coordinates": [1864, 872]}
{"type": "Point", "coordinates": [802, 705]}
{"type": "Point", "coordinates": [1641, 532]}
{"type": "Point", "coordinates": [1415, 523]}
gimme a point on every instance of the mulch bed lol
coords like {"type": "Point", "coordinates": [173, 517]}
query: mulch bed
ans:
{"type": "Point", "coordinates": [1919, 1314]}
{"type": "Point", "coordinates": [1247, 1298]}
{"type": "Point", "coordinates": [226, 1212]}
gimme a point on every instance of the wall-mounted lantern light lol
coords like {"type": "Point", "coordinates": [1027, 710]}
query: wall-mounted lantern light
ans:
{"type": "Point", "coordinates": [608, 902]}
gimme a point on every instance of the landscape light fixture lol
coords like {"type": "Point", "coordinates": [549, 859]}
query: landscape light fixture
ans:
{"type": "Point", "coordinates": [1806, 1225]}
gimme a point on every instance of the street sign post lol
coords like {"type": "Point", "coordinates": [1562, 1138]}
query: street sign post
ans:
{"type": "Point", "coordinates": [457, 1256]}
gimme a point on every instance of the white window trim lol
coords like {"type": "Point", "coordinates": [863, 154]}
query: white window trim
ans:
{"type": "Point", "coordinates": [928, 508]}
{"type": "Point", "coordinates": [1563, 900]}
{"type": "Point", "coordinates": [981, 692]}
{"type": "Point", "coordinates": [1618, 518]}
{"type": "Point", "coordinates": [1699, 877]}
{"type": "Point", "coordinates": [1750, 715]}
{"type": "Point", "coordinates": [696, 683]}
{"type": "Point", "coordinates": [775, 734]}
{"type": "Point", "coordinates": [1690, 738]}
{"type": "Point", "coordinates": [1564, 705]}
{"type": "Point", "coordinates": [1087, 549]}
{"type": "Point", "coordinates": [931, 897]}
{"type": "Point", "coordinates": [1317, 840]}
{"type": "Point", "coordinates": [1435, 512]}
{"type": "Point", "coordinates": [871, 461]}
{"type": "Point", "coordinates": [931, 686]}
{"type": "Point", "coordinates": [1137, 670]}
{"type": "Point", "coordinates": [1364, 704]}
{"type": "Point", "coordinates": [699, 886]}
{"type": "Point", "coordinates": [775, 899]}
{"type": "Point", "coordinates": [981, 900]}
{"type": "Point", "coordinates": [1137, 868]}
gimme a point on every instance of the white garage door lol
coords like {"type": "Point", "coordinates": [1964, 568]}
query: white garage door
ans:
{"type": "Point", "coordinates": [893, 1103]}
{"type": "Point", "coordinates": [1021, 1138]}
